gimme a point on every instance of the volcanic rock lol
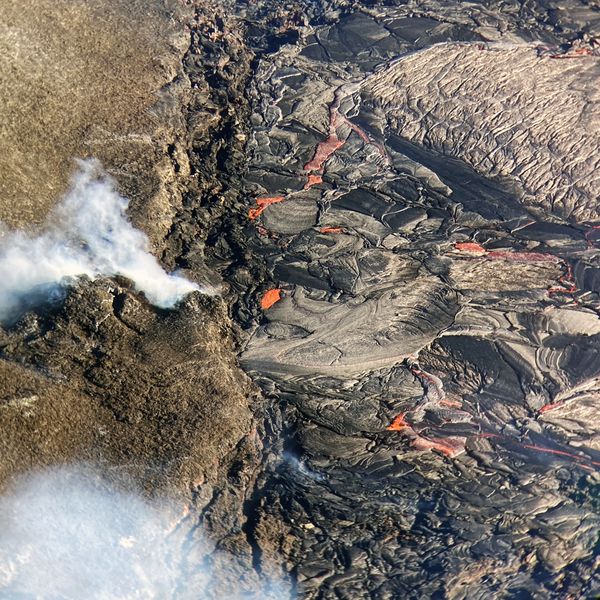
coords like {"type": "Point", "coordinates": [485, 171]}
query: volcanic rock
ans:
{"type": "Point", "coordinates": [109, 376]}
{"type": "Point", "coordinates": [406, 233]}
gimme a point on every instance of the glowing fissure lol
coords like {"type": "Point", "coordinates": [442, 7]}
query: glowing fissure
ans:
{"type": "Point", "coordinates": [565, 280]}
{"type": "Point", "coordinates": [325, 149]}
{"type": "Point", "coordinates": [433, 395]}
{"type": "Point", "coordinates": [262, 204]}
{"type": "Point", "coordinates": [270, 298]}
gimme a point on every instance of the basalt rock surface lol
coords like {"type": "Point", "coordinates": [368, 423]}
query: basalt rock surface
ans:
{"type": "Point", "coordinates": [149, 401]}
{"type": "Point", "coordinates": [82, 79]}
{"type": "Point", "coordinates": [110, 377]}
{"type": "Point", "coordinates": [406, 235]}
{"type": "Point", "coordinates": [433, 341]}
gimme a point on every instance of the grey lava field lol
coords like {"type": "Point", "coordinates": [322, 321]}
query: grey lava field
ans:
{"type": "Point", "coordinates": [373, 371]}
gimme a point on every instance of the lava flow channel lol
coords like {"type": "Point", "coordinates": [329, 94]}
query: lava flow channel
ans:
{"type": "Point", "coordinates": [332, 143]}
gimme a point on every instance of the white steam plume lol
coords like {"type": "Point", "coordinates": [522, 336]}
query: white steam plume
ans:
{"type": "Point", "coordinates": [87, 234]}
{"type": "Point", "coordinates": [65, 535]}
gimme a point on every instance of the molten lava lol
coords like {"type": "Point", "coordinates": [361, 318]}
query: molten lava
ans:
{"type": "Point", "coordinates": [262, 204]}
{"type": "Point", "coordinates": [270, 298]}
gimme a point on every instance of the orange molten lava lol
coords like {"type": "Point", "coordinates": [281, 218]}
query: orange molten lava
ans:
{"type": "Point", "coordinates": [594, 227]}
{"type": "Point", "coordinates": [451, 448]}
{"type": "Point", "coordinates": [566, 280]}
{"type": "Point", "coordinates": [449, 403]}
{"type": "Point", "coordinates": [324, 151]}
{"type": "Point", "coordinates": [313, 180]}
{"type": "Point", "coordinates": [399, 423]}
{"type": "Point", "coordinates": [551, 407]}
{"type": "Point", "coordinates": [262, 204]}
{"type": "Point", "coordinates": [270, 298]}
{"type": "Point", "coordinates": [469, 247]}
{"type": "Point", "coordinates": [331, 230]}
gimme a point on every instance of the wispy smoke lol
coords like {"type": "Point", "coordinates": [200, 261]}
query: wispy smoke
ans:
{"type": "Point", "coordinates": [65, 535]}
{"type": "Point", "coordinates": [301, 467]}
{"type": "Point", "coordinates": [87, 234]}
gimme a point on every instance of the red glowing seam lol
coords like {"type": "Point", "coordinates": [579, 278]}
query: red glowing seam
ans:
{"type": "Point", "coordinates": [594, 227]}
{"type": "Point", "coordinates": [262, 204]}
{"type": "Point", "coordinates": [534, 257]}
{"type": "Point", "coordinates": [567, 277]}
{"type": "Point", "coordinates": [522, 226]}
{"type": "Point", "coordinates": [175, 525]}
{"type": "Point", "coordinates": [313, 180]}
{"type": "Point", "coordinates": [449, 403]}
{"type": "Point", "coordinates": [266, 232]}
{"type": "Point", "coordinates": [577, 54]}
{"type": "Point", "coordinates": [551, 407]}
{"type": "Point", "coordinates": [451, 448]}
{"type": "Point", "coordinates": [398, 424]}
{"type": "Point", "coordinates": [434, 383]}
{"type": "Point", "coordinates": [331, 230]}
{"type": "Point", "coordinates": [469, 247]}
{"type": "Point", "coordinates": [325, 149]}
{"type": "Point", "coordinates": [500, 255]}
{"type": "Point", "coordinates": [530, 446]}
{"type": "Point", "coordinates": [341, 120]}
{"type": "Point", "coordinates": [364, 137]}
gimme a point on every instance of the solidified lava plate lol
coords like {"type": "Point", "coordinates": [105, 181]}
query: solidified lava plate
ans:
{"type": "Point", "coordinates": [398, 204]}
{"type": "Point", "coordinates": [437, 335]}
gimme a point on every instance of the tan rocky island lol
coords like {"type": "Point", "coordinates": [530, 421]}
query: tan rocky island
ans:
{"type": "Point", "coordinates": [104, 384]}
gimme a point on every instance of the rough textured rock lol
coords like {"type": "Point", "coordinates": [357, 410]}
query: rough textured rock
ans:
{"type": "Point", "coordinates": [89, 79]}
{"type": "Point", "coordinates": [505, 110]}
{"type": "Point", "coordinates": [109, 376]}
{"type": "Point", "coordinates": [152, 401]}
{"type": "Point", "coordinates": [425, 329]}
{"type": "Point", "coordinates": [356, 215]}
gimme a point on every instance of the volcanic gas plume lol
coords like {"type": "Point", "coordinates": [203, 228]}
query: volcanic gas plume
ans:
{"type": "Point", "coordinates": [86, 234]}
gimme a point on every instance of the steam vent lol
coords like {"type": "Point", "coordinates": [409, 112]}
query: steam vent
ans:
{"type": "Point", "coordinates": [299, 300]}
